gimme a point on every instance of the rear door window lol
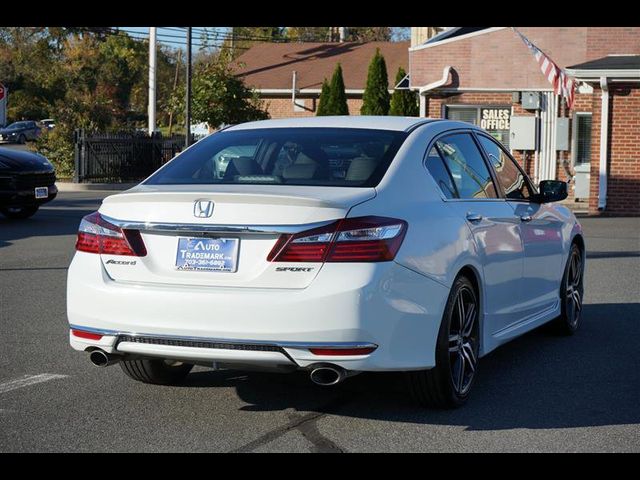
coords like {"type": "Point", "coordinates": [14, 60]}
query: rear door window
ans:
{"type": "Point", "coordinates": [510, 177]}
{"type": "Point", "coordinates": [469, 171]}
{"type": "Point", "coordinates": [441, 174]}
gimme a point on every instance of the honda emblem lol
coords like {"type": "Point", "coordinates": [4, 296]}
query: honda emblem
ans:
{"type": "Point", "coordinates": [202, 208]}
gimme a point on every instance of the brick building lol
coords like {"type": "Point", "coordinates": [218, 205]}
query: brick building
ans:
{"type": "Point", "coordinates": [486, 75]}
{"type": "Point", "coordinates": [277, 70]}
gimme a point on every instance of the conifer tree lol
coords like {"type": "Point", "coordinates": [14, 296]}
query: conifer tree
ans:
{"type": "Point", "coordinates": [404, 103]}
{"type": "Point", "coordinates": [375, 100]}
{"type": "Point", "coordinates": [337, 99]}
{"type": "Point", "coordinates": [324, 98]}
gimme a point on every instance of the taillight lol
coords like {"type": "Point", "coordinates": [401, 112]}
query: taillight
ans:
{"type": "Point", "coordinates": [361, 239]}
{"type": "Point", "coordinates": [96, 235]}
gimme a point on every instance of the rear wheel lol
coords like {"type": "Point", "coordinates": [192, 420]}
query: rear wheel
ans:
{"type": "Point", "coordinates": [448, 384]}
{"type": "Point", "coordinates": [571, 294]}
{"type": "Point", "coordinates": [19, 212]}
{"type": "Point", "coordinates": [156, 371]}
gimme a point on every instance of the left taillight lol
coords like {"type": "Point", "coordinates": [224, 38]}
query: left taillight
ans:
{"type": "Point", "coordinates": [96, 235]}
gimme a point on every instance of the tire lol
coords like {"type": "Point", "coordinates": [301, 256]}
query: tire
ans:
{"type": "Point", "coordinates": [157, 372]}
{"type": "Point", "coordinates": [22, 139]}
{"type": "Point", "coordinates": [19, 213]}
{"type": "Point", "coordinates": [449, 383]}
{"type": "Point", "coordinates": [571, 294]}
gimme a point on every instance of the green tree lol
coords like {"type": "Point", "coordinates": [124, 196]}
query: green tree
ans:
{"type": "Point", "coordinates": [324, 98]}
{"type": "Point", "coordinates": [307, 34]}
{"type": "Point", "coordinates": [219, 97]}
{"type": "Point", "coordinates": [369, 34]}
{"type": "Point", "coordinates": [337, 98]}
{"type": "Point", "coordinates": [404, 103]}
{"type": "Point", "coordinates": [375, 100]}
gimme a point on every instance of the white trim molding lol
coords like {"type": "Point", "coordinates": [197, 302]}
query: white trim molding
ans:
{"type": "Point", "coordinates": [455, 39]}
{"type": "Point", "coordinates": [628, 75]}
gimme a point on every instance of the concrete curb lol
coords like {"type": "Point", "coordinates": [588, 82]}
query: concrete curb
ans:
{"type": "Point", "coordinates": [87, 187]}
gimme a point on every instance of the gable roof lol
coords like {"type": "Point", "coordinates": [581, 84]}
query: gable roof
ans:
{"type": "Point", "coordinates": [270, 66]}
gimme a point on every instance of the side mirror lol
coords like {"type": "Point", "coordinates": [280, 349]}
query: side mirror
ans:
{"type": "Point", "coordinates": [552, 191]}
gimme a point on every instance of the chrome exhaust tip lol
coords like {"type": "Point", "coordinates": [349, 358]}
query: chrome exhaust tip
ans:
{"type": "Point", "coordinates": [101, 358]}
{"type": "Point", "coordinates": [327, 375]}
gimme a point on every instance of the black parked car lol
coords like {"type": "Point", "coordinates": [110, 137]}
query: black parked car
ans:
{"type": "Point", "coordinates": [27, 180]}
{"type": "Point", "coordinates": [20, 132]}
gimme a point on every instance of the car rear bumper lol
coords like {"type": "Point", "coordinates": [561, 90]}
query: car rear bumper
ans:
{"type": "Point", "coordinates": [384, 305]}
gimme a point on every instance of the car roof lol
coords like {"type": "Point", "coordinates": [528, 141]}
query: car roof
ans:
{"type": "Point", "coordinates": [342, 121]}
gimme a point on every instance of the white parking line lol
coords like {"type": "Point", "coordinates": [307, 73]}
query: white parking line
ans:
{"type": "Point", "coordinates": [27, 380]}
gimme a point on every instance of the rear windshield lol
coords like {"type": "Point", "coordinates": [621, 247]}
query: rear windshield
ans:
{"type": "Point", "coordinates": [290, 156]}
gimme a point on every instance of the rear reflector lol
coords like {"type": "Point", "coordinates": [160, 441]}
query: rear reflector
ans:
{"type": "Point", "coordinates": [96, 235]}
{"type": "Point", "coordinates": [361, 239]}
{"type": "Point", "coordinates": [342, 351]}
{"type": "Point", "coordinates": [87, 335]}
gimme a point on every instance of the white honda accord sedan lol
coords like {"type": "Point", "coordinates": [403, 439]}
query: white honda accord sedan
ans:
{"type": "Point", "coordinates": [335, 245]}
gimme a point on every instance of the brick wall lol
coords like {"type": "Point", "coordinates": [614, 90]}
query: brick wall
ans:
{"type": "Point", "coordinates": [435, 110]}
{"type": "Point", "coordinates": [283, 107]}
{"type": "Point", "coordinates": [623, 185]}
{"type": "Point", "coordinates": [500, 59]}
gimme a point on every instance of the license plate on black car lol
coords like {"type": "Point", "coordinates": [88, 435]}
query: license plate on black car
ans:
{"type": "Point", "coordinates": [42, 192]}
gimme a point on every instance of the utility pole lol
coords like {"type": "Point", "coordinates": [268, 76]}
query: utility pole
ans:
{"type": "Point", "coordinates": [152, 80]}
{"type": "Point", "coordinates": [188, 99]}
{"type": "Point", "coordinates": [342, 31]}
{"type": "Point", "coordinates": [175, 85]}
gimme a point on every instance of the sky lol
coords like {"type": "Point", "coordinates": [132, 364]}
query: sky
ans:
{"type": "Point", "coordinates": [176, 37]}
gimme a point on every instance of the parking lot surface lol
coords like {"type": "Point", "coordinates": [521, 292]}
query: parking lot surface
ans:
{"type": "Point", "coordinates": [538, 393]}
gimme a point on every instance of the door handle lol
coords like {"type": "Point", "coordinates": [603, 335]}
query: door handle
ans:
{"type": "Point", "coordinates": [474, 217]}
{"type": "Point", "coordinates": [525, 218]}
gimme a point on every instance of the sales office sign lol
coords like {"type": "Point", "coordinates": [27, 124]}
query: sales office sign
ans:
{"type": "Point", "coordinates": [495, 118]}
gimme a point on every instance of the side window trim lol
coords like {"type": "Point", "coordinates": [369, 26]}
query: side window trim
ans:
{"type": "Point", "coordinates": [432, 144]}
{"type": "Point", "coordinates": [534, 191]}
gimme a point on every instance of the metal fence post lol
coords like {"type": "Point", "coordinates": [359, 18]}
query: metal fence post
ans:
{"type": "Point", "coordinates": [76, 156]}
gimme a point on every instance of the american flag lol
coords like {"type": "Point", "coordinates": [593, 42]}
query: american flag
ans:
{"type": "Point", "coordinates": [562, 83]}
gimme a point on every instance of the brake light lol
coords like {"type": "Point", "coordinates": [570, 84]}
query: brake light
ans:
{"type": "Point", "coordinates": [361, 239]}
{"type": "Point", "coordinates": [96, 235]}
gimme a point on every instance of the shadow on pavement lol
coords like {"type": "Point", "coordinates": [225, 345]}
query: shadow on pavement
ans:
{"type": "Point", "coordinates": [59, 217]}
{"type": "Point", "coordinates": [539, 381]}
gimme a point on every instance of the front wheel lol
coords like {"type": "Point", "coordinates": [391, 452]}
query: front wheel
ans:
{"type": "Point", "coordinates": [22, 139]}
{"type": "Point", "coordinates": [156, 371]}
{"type": "Point", "coordinates": [19, 213]}
{"type": "Point", "coordinates": [448, 384]}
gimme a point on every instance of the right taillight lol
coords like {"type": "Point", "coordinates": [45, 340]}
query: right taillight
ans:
{"type": "Point", "coordinates": [361, 239]}
{"type": "Point", "coordinates": [96, 235]}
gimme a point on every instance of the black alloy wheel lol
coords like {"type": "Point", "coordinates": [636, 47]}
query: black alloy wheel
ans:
{"type": "Point", "coordinates": [448, 384]}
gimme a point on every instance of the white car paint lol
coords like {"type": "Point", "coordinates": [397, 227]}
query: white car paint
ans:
{"type": "Point", "coordinates": [394, 305]}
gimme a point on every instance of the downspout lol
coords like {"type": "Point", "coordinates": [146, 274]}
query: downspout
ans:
{"type": "Point", "coordinates": [438, 83]}
{"type": "Point", "coordinates": [293, 87]}
{"type": "Point", "coordinates": [604, 135]}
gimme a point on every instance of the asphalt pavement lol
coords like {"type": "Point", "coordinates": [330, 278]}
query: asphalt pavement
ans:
{"type": "Point", "coordinates": [538, 393]}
